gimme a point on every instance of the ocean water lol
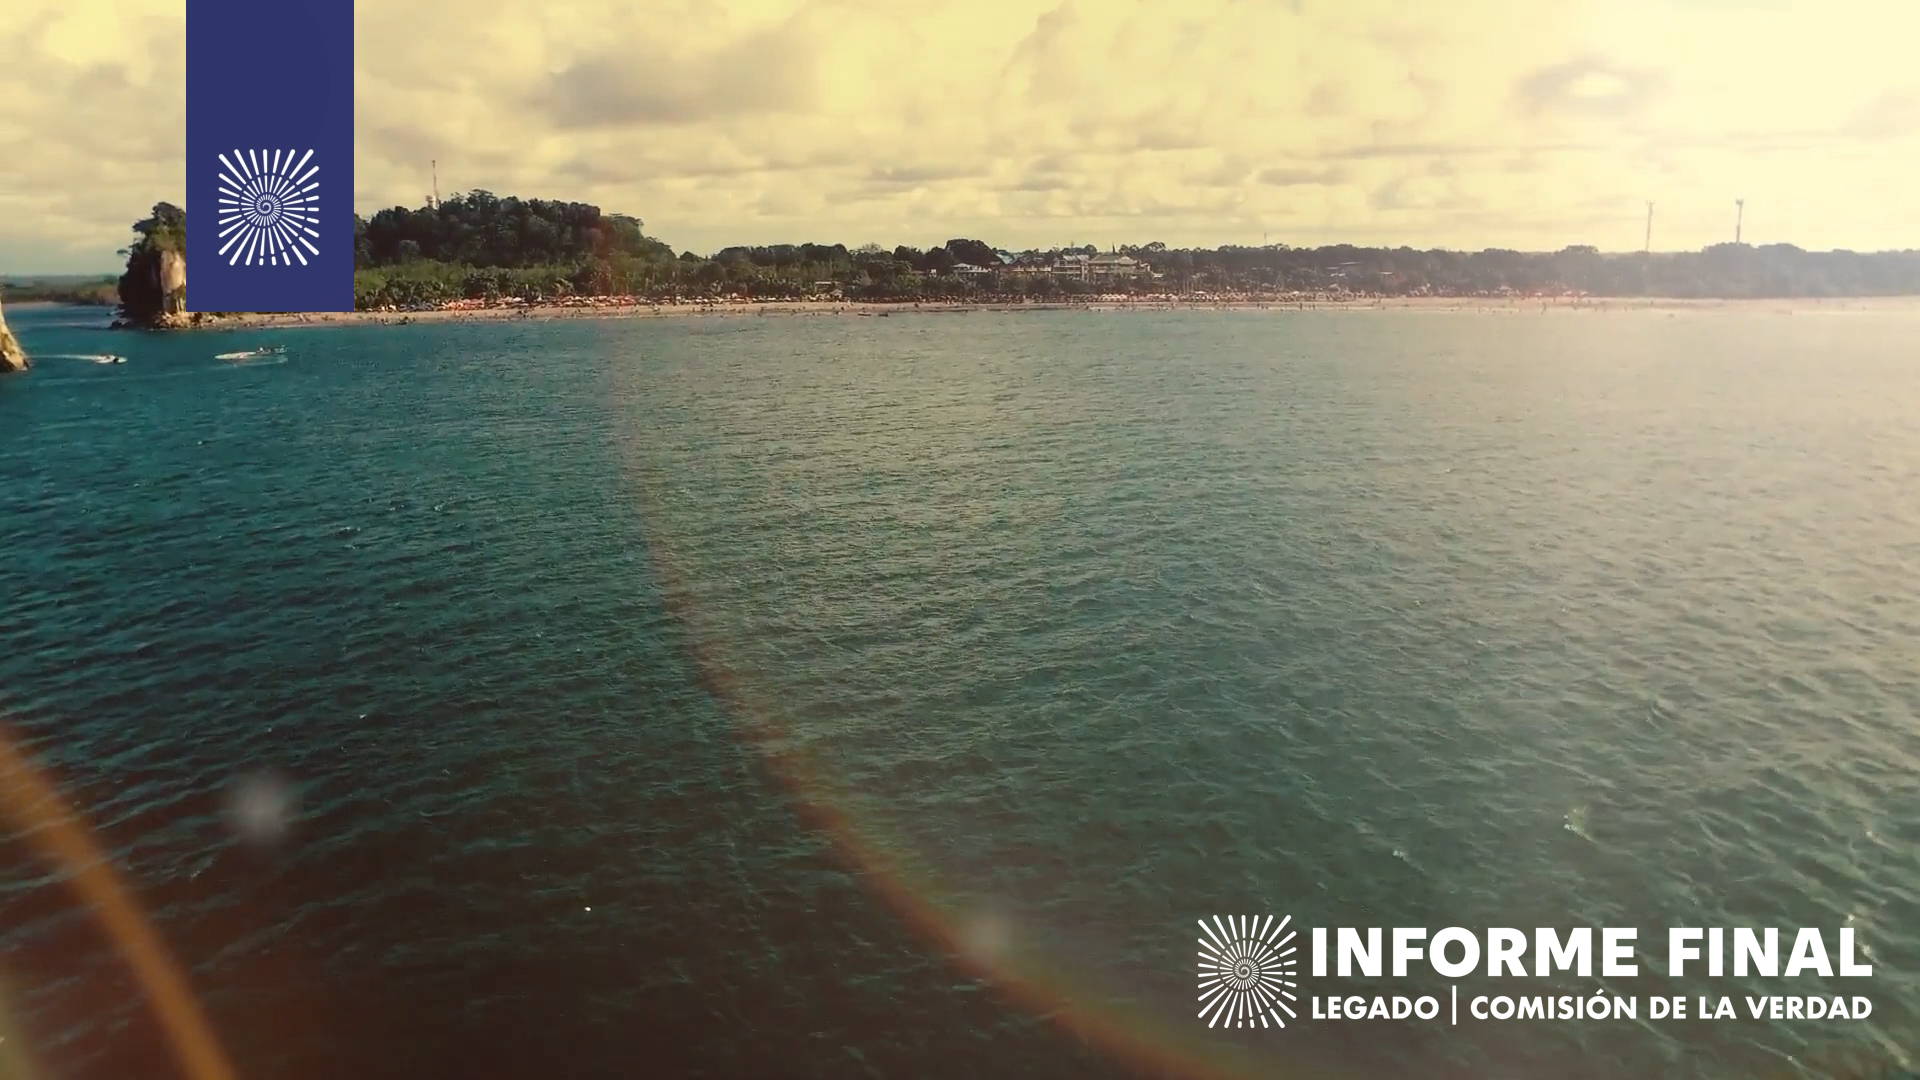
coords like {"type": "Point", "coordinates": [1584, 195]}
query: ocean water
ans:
{"type": "Point", "coordinates": [888, 697]}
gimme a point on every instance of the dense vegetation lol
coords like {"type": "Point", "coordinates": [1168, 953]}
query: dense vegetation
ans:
{"type": "Point", "coordinates": [798, 270]}
{"type": "Point", "coordinates": [1723, 270]}
{"type": "Point", "coordinates": [100, 290]}
{"type": "Point", "coordinates": [483, 230]}
{"type": "Point", "coordinates": [480, 246]}
{"type": "Point", "coordinates": [483, 247]}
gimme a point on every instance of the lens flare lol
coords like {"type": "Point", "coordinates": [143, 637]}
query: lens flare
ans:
{"type": "Point", "coordinates": [37, 811]}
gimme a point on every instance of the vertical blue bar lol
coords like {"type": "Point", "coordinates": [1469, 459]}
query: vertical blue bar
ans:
{"type": "Point", "coordinates": [270, 155]}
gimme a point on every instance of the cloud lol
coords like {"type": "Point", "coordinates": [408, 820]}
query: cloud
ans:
{"type": "Point", "coordinates": [90, 131]}
{"type": "Point", "coordinates": [1044, 57]}
{"type": "Point", "coordinates": [1587, 86]}
{"type": "Point", "coordinates": [1327, 99]}
{"type": "Point", "coordinates": [911, 121]}
{"type": "Point", "coordinates": [1042, 182]}
{"type": "Point", "coordinates": [1422, 192]}
{"type": "Point", "coordinates": [401, 140]}
{"type": "Point", "coordinates": [767, 72]}
{"type": "Point", "coordinates": [916, 175]}
{"type": "Point", "coordinates": [1303, 177]}
{"type": "Point", "coordinates": [1888, 116]}
{"type": "Point", "coordinates": [1379, 151]}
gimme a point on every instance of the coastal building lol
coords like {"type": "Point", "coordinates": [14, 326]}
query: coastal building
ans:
{"type": "Point", "coordinates": [1115, 266]}
{"type": "Point", "coordinates": [1106, 267]}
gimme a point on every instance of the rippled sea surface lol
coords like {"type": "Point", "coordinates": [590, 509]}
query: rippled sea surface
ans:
{"type": "Point", "coordinates": [887, 697]}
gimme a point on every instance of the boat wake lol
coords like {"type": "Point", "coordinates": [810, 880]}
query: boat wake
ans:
{"type": "Point", "coordinates": [98, 358]}
{"type": "Point", "coordinates": [252, 354]}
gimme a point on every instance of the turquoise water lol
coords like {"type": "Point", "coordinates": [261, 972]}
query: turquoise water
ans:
{"type": "Point", "coordinates": [850, 697]}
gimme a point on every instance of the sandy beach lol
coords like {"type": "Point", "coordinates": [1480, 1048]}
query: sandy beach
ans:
{"type": "Point", "coordinates": [738, 308]}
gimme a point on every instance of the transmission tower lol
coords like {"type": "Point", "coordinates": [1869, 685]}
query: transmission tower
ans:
{"type": "Point", "coordinates": [1739, 217]}
{"type": "Point", "coordinates": [1648, 250]}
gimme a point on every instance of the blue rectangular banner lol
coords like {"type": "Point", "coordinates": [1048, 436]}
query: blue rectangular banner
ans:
{"type": "Point", "coordinates": [270, 155]}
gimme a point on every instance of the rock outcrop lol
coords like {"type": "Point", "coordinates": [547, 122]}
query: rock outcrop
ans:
{"type": "Point", "coordinates": [153, 291]}
{"type": "Point", "coordinates": [167, 281]}
{"type": "Point", "coordinates": [173, 282]}
{"type": "Point", "coordinates": [12, 357]}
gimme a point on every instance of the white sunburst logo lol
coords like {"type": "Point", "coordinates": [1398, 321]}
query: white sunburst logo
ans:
{"type": "Point", "coordinates": [1246, 971]}
{"type": "Point", "coordinates": [268, 209]}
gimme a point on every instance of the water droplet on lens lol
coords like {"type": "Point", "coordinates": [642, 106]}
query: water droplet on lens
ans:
{"type": "Point", "coordinates": [261, 807]}
{"type": "Point", "coordinates": [985, 937]}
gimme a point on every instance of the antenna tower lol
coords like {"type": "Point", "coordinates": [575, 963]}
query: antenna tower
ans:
{"type": "Point", "coordinates": [1739, 217]}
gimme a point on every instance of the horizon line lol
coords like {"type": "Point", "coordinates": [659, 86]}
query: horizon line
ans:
{"type": "Point", "coordinates": [26, 277]}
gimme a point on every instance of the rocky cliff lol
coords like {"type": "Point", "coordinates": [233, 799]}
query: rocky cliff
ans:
{"type": "Point", "coordinates": [12, 357]}
{"type": "Point", "coordinates": [173, 283]}
{"type": "Point", "coordinates": [153, 291]}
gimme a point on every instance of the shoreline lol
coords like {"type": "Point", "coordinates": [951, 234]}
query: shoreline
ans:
{"type": "Point", "coordinates": [640, 309]}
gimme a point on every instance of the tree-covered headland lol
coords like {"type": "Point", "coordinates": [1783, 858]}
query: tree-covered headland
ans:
{"type": "Point", "coordinates": [160, 253]}
{"type": "Point", "coordinates": [482, 248]}
{"type": "Point", "coordinates": [101, 290]}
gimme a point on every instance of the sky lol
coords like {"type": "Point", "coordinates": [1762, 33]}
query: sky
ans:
{"type": "Point", "coordinates": [1465, 124]}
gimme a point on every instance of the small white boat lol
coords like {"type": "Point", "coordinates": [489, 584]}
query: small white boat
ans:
{"type": "Point", "coordinates": [252, 354]}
